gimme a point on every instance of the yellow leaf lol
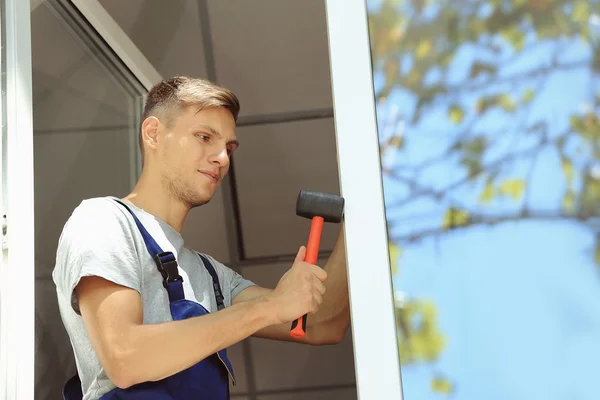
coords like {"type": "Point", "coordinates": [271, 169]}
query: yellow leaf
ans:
{"type": "Point", "coordinates": [454, 218]}
{"type": "Point", "coordinates": [423, 48]}
{"type": "Point", "coordinates": [567, 167]}
{"type": "Point", "coordinates": [513, 187]}
{"type": "Point", "coordinates": [507, 103]}
{"type": "Point", "coordinates": [528, 96]}
{"type": "Point", "coordinates": [569, 201]}
{"type": "Point", "coordinates": [581, 11]}
{"type": "Point", "coordinates": [597, 254]}
{"type": "Point", "coordinates": [488, 193]}
{"type": "Point", "coordinates": [395, 253]}
{"type": "Point", "coordinates": [441, 385]}
{"type": "Point", "coordinates": [414, 77]}
{"type": "Point", "coordinates": [456, 114]}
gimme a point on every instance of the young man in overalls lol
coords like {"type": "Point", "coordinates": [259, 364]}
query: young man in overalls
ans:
{"type": "Point", "coordinates": [149, 318]}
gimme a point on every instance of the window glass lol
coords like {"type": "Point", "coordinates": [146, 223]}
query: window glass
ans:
{"type": "Point", "coordinates": [488, 125]}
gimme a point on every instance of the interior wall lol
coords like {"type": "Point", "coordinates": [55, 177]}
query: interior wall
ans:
{"type": "Point", "coordinates": [274, 55]}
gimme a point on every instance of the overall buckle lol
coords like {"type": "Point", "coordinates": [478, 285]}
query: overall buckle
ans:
{"type": "Point", "coordinates": [167, 266]}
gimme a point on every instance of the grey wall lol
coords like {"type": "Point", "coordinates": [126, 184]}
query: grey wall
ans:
{"type": "Point", "coordinates": [273, 54]}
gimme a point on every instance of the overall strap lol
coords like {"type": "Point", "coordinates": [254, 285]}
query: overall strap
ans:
{"type": "Point", "coordinates": [215, 278]}
{"type": "Point", "coordinates": [167, 265]}
{"type": "Point", "coordinates": [165, 261]}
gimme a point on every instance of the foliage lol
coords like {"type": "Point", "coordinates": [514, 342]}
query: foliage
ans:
{"type": "Point", "coordinates": [475, 74]}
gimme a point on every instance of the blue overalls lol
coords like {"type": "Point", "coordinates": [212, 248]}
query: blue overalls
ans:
{"type": "Point", "coordinates": [207, 380]}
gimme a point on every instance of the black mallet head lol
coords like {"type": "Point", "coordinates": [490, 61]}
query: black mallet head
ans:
{"type": "Point", "coordinates": [317, 204]}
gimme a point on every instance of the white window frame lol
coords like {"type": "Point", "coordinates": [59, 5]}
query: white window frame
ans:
{"type": "Point", "coordinates": [374, 334]}
{"type": "Point", "coordinates": [17, 266]}
{"type": "Point", "coordinates": [127, 51]}
{"type": "Point", "coordinates": [17, 275]}
{"type": "Point", "coordinates": [119, 41]}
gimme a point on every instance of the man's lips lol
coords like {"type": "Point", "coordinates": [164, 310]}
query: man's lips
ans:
{"type": "Point", "coordinates": [212, 175]}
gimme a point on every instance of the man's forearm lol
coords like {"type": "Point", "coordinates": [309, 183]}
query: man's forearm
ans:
{"type": "Point", "coordinates": [334, 313]}
{"type": "Point", "coordinates": [155, 351]}
{"type": "Point", "coordinates": [329, 324]}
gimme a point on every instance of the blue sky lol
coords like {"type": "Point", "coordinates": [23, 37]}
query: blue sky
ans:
{"type": "Point", "coordinates": [517, 302]}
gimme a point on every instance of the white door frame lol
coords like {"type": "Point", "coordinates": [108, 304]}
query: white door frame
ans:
{"type": "Point", "coordinates": [119, 41]}
{"type": "Point", "coordinates": [377, 363]}
{"type": "Point", "coordinates": [374, 333]}
{"type": "Point", "coordinates": [17, 266]}
{"type": "Point", "coordinates": [17, 275]}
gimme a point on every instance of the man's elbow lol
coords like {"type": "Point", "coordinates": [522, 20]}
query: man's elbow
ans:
{"type": "Point", "coordinates": [120, 370]}
{"type": "Point", "coordinates": [330, 334]}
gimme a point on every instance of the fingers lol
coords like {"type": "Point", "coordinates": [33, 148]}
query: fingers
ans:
{"type": "Point", "coordinates": [318, 285]}
{"type": "Point", "coordinates": [301, 254]}
{"type": "Point", "coordinates": [317, 300]}
{"type": "Point", "coordinates": [319, 273]}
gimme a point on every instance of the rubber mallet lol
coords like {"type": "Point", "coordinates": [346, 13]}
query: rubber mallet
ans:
{"type": "Point", "coordinates": [319, 208]}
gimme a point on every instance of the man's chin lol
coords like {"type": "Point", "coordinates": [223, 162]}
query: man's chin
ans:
{"type": "Point", "coordinates": [201, 200]}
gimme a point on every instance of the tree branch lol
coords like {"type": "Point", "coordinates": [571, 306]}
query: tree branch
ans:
{"type": "Point", "coordinates": [490, 168]}
{"type": "Point", "coordinates": [476, 220]}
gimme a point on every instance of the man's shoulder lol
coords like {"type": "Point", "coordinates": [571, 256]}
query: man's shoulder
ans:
{"type": "Point", "coordinates": [95, 214]}
{"type": "Point", "coordinates": [94, 204]}
{"type": "Point", "coordinates": [96, 209]}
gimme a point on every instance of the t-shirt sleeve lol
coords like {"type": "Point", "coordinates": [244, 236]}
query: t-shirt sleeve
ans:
{"type": "Point", "coordinates": [230, 279]}
{"type": "Point", "coordinates": [97, 240]}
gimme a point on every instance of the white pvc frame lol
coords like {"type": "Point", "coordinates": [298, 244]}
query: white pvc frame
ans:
{"type": "Point", "coordinates": [127, 51]}
{"type": "Point", "coordinates": [369, 276]}
{"type": "Point", "coordinates": [374, 330]}
{"type": "Point", "coordinates": [17, 275]}
{"type": "Point", "coordinates": [17, 268]}
{"type": "Point", "coordinates": [119, 41]}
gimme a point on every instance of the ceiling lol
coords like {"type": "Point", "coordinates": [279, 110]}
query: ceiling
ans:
{"type": "Point", "coordinates": [272, 53]}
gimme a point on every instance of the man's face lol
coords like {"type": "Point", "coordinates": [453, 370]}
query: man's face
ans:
{"type": "Point", "coordinates": [195, 153]}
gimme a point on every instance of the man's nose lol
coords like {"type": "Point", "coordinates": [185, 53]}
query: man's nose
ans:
{"type": "Point", "coordinates": [221, 158]}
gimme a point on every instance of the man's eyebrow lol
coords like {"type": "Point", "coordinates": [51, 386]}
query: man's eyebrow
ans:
{"type": "Point", "coordinates": [217, 133]}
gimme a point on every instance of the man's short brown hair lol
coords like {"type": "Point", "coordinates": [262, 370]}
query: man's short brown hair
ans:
{"type": "Point", "coordinates": [169, 97]}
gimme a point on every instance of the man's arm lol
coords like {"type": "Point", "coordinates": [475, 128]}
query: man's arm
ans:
{"type": "Point", "coordinates": [330, 323]}
{"type": "Point", "coordinates": [132, 352]}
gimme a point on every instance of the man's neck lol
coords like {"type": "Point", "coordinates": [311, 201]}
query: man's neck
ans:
{"type": "Point", "coordinates": [153, 198]}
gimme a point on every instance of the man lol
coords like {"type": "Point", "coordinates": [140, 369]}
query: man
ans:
{"type": "Point", "coordinates": [146, 316]}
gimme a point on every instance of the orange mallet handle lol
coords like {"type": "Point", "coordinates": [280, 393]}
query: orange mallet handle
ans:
{"type": "Point", "coordinates": [298, 330]}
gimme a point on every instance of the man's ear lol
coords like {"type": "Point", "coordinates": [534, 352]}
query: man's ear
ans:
{"type": "Point", "coordinates": [150, 129]}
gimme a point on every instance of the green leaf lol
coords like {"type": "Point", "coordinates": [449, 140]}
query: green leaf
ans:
{"type": "Point", "coordinates": [442, 385]}
{"type": "Point", "coordinates": [577, 124]}
{"type": "Point", "coordinates": [528, 95]}
{"type": "Point", "coordinates": [488, 193]}
{"type": "Point", "coordinates": [456, 114]}
{"type": "Point", "coordinates": [597, 253]}
{"type": "Point", "coordinates": [414, 77]}
{"type": "Point", "coordinates": [514, 36]}
{"type": "Point", "coordinates": [420, 338]}
{"type": "Point", "coordinates": [507, 103]}
{"type": "Point", "coordinates": [567, 167]}
{"type": "Point", "coordinates": [423, 48]}
{"type": "Point", "coordinates": [455, 218]}
{"type": "Point", "coordinates": [395, 253]}
{"type": "Point", "coordinates": [569, 202]}
{"type": "Point", "coordinates": [479, 67]}
{"type": "Point", "coordinates": [476, 146]}
{"type": "Point", "coordinates": [513, 188]}
{"type": "Point", "coordinates": [581, 11]}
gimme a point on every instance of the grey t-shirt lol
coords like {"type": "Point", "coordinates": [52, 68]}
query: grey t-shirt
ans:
{"type": "Point", "coordinates": [101, 239]}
